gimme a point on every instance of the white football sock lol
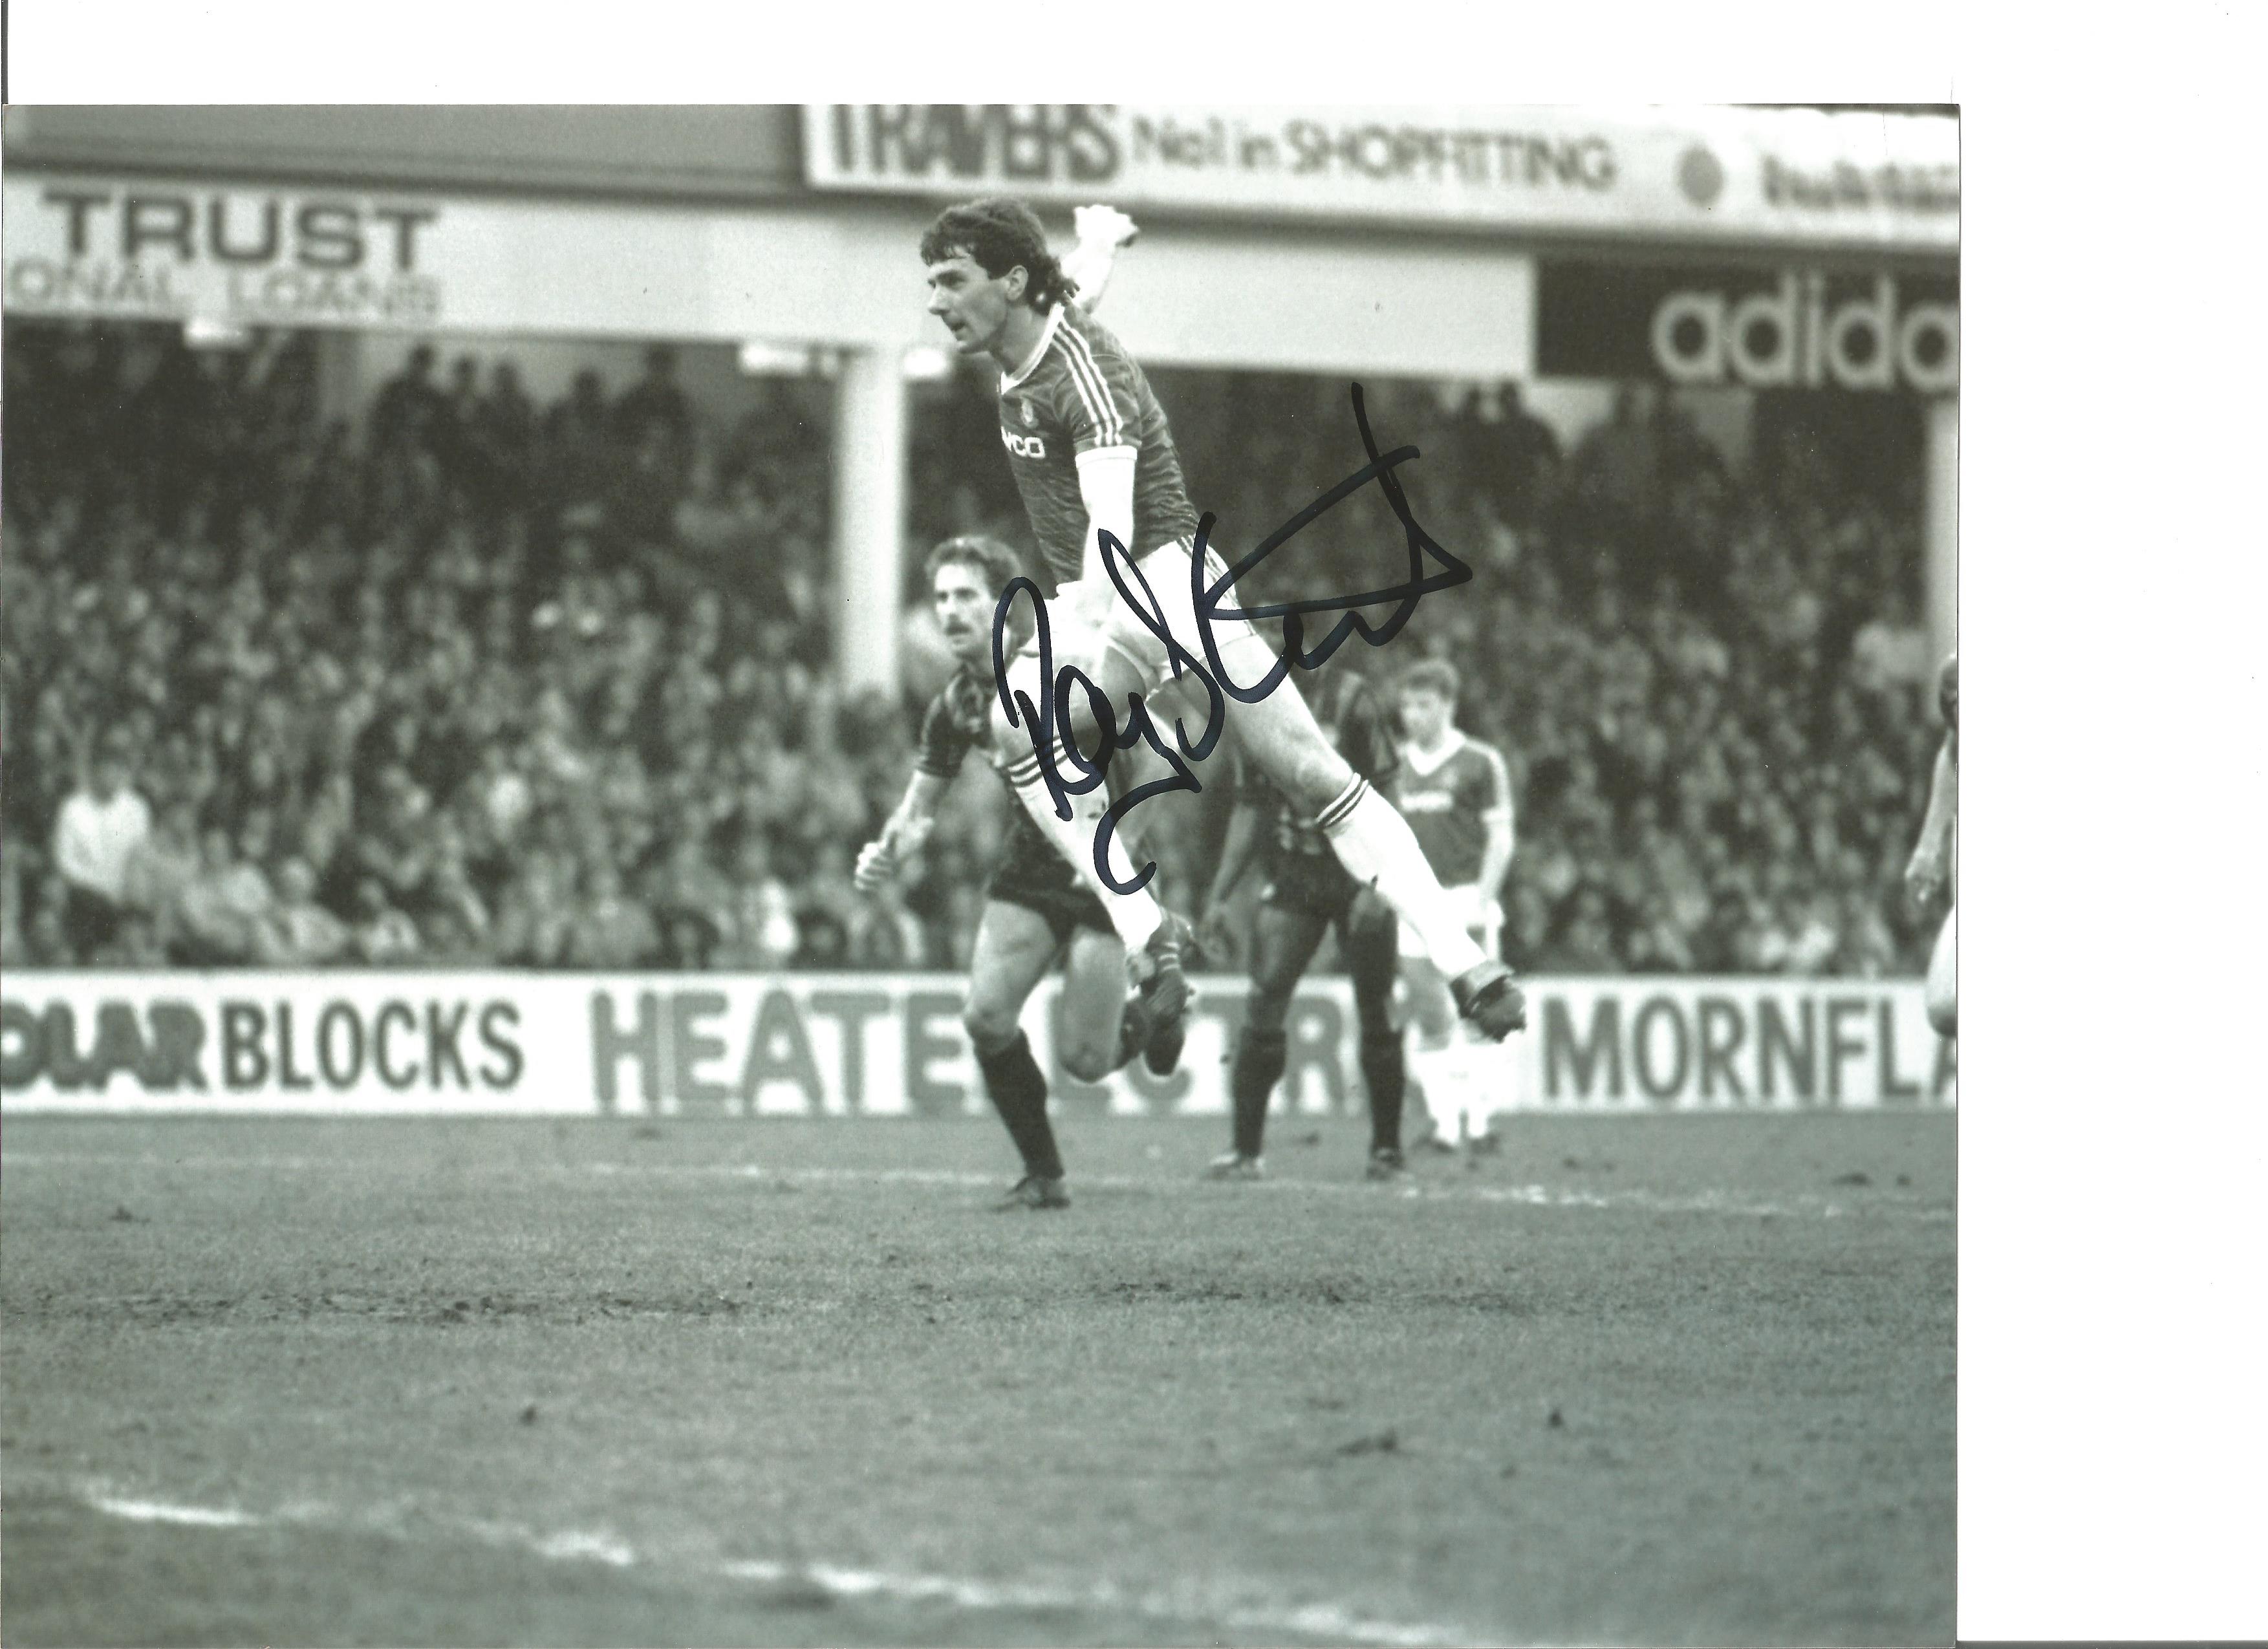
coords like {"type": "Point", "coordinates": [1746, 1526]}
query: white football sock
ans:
{"type": "Point", "coordinates": [1135, 916]}
{"type": "Point", "coordinates": [1436, 1072]}
{"type": "Point", "coordinates": [1375, 844]}
{"type": "Point", "coordinates": [1483, 1083]}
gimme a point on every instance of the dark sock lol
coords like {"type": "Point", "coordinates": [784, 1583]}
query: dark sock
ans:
{"type": "Point", "coordinates": [1020, 1093]}
{"type": "Point", "coordinates": [1383, 1073]}
{"type": "Point", "coordinates": [1133, 1033]}
{"type": "Point", "coordinates": [1252, 1076]}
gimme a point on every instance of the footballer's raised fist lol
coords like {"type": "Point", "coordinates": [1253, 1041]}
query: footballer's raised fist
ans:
{"type": "Point", "coordinates": [1104, 225]}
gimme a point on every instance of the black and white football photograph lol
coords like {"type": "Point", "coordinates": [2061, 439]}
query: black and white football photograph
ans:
{"type": "Point", "coordinates": [1175, 871]}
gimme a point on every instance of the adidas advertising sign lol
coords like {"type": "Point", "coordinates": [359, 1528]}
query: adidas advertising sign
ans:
{"type": "Point", "coordinates": [1787, 329]}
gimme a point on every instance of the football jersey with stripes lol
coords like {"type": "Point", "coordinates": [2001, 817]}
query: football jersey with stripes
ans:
{"type": "Point", "coordinates": [1449, 798]}
{"type": "Point", "coordinates": [1084, 392]}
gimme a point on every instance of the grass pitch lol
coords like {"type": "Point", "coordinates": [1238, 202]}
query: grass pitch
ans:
{"type": "Point", "coordinates": [1652, 1380]}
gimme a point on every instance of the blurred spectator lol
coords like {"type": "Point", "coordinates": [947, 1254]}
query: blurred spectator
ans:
{"type": "Point", "coordinates": [448, 941]}
{"type": "Point", "coordinates": [13, 938]}
{"type": "Point", "coordinates": [384, 936]}
{"type": "Point", "coordinates": [160, 869]}
{"type": "Point", "coordinates": [534, 925]}
{"type": "Point", "coordinates": [224, 906]}
{"type": "Point", "coordinates": [760, 933]}
{"type": "Point", "coordinates": [1864, 948]}
{"type": "Point", "coordinates": [612, 931]}
{"type": "Point", "coordinates": [1617, 466]}
{"type": "Point", "coordinates": [582, 450]}
{"type": "Point", "coordinates": [97, 832]}
{"type": "Point", "coordinates": [655, 410]}
{"type": "Point", "coordinates": [1527, 459]}
{"type": "Point", "coordinates": [1585, 943]}
{"type": "Point", "coordinates": [822, 939]}
{"type": "Point", "coordinates": [410, 409]}
{"type": "Point", "coordinates": [883, 934]}
{"type": "Point", "coordinates": [136, 946]}
{"type": "Point", "coordinates": [688, 941]}
{"type": "Point", "coordinates": [448, 888]}
{"type": "Point", "coordinates": [505, 426]}
{"type": "Point", "coordinates": [653, 437]}
{"type": "Point", "coordinates": [299, 933]}
{"type": "Point", "coordinates": [1891, 649]}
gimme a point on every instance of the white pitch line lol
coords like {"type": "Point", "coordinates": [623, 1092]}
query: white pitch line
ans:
{"type": "Point", "coordinates": [1323, 1620]}
{"type": "Point", "coordinates": [1532, 1195]}
{"type": "Point", "coordinates": [170, 1512]}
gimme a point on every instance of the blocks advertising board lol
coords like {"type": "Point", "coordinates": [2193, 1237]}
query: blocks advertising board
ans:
{"type": "Point", "coordinates": [885, 1045]}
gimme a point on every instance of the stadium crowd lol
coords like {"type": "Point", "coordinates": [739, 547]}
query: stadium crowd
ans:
{"type": "Point", "coordinates": [486, 683]}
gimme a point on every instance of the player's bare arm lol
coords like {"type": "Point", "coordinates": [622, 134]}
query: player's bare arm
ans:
{"type": "Point", "coordinates": [1102, 231]}
{"type": "Point", "coordinates": [1238, 854]}
{"type": "Point", "coordinates": [1106, 474]}
{"type": "Point", "coordinates": [903, 832]}
{"type": "Point", "coordinates": [1926, 871]}
{"type": "Point", "coordinates": [1496, 854]}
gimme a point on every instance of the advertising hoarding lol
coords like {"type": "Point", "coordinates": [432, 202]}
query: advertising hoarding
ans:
{"type": "Point", "coordinates": [884, 1045]}
{"type": "Point", "coordinates": [1789, 176]}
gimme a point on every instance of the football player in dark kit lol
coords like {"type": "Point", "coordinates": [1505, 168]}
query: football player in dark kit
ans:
{"type": "Point", "coordinates": [1036, 908]}
{"type": "Point", "coordinates": [1307, 893]}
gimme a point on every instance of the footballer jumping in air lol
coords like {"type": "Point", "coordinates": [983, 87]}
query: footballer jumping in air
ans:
{"type": "Point", "coordinates": [1306, 894]}
{"type": "Point", "coordinates": [1092, 456]}
{"type": "Point", "coordinates": [1933, 865]}
{"type": "Point", "coordinates": [1034, 909]}
{"type": "Point", "coordinates": [1457, 795]}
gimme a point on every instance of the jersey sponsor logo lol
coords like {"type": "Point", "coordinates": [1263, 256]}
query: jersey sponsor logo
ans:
{"type": "Point", "coordinates": [1031, 414]}
{"type": "Point", "coordinates": [1024, 446]}
{"type": "Point", "coordinates": [1428, 801]}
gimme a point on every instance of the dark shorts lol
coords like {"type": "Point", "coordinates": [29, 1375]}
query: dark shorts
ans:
{"type": "Point", "coordinates": [89, 920]}
{"type": "Point", "coordinates": [1296, 912]}
{"type": "Point", "coordinates": [1033, 874]}
{"type": "Point", "coordinates": [1314, 884]}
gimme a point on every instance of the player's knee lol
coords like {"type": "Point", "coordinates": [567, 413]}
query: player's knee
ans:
{"type": "Point", "coordinates": [1088, 1060]}
{"type": "Point", "coordinates": [1318, 776]}
{"type": "Point", "coordinates": [1267, 1009]}
{"type": "Point", "coordinates": [991, 1026]}
{"type": "Point", "coordinates": [1263, 1049]}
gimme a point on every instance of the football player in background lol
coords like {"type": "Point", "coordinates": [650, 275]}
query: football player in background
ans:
{"type": "Point", "coordinates": [1934, 866]}
{"type": "Point", "coordinates": [1035, 910]}
{"type": "Point", "coordinates": [1457, 795]}
{"type": "Point", "coordinates": [1306, 894]}
{"type": "Point", "coordinates": [1092, 456]}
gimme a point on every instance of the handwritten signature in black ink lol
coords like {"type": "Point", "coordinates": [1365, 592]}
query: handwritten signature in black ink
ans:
{"type": "Point", "coordinates": [1041, 722]}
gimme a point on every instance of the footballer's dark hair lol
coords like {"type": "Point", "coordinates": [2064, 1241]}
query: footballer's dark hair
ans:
{"type": "Point", "coordinates": [1432, 675]}
{"type": "Point", "coordinates": [1001, 233]}
{"type": "Point", "coordinates": [994, 561]}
